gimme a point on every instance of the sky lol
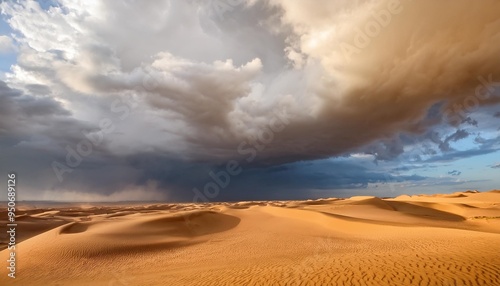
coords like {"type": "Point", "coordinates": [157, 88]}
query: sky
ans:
{"type": "Point", "coordinates": [227, 100]}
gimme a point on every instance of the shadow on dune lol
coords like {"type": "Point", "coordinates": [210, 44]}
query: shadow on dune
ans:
{"type": "Point", "coordinates": [423, 212]}
{"type": "Point", "coordinates": [188, 224]}
{"type": "Point", "coordinates": [191, 224]}
{"type": "Point", "coordinates": [318, 202]}
{"type": "Point", "coordinates": [139, 235]}
{"type": "Point", "coordinates": [74, 227]}
{"type": "Point", "coordinates": [374, 202]}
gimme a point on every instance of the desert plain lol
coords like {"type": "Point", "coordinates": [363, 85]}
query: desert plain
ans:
{"type": "Point", "coordinates": [447, 239]}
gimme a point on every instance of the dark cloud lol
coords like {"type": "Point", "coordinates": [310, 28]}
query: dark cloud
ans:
{"type": "Point", "coordinates": [456, 155]}
{"type": "Point", "coordinates": [458, 135]}
{"type": "Point", "coordinates": [454, 173]}
{"type": "Point", "coordinates": [38, 89]}
{"type": "Point", "coordinates": [215, 100]}
{"type": "Point", "coordinates": [386, 149]}
{"type": "Point", "coordinates": [295, 180]}
{"type": "Point", "coordinates": [406, 168]}
{"type": "Point", "coordinates": [19, 112]}
{"type": "Point", "coordinates": [470, 121]}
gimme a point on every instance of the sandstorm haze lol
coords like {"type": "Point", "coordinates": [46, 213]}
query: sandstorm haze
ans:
{"type": "Point", "coordinates": [311, 98]}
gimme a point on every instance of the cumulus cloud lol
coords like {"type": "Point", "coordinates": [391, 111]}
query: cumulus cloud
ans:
{"type": "Point", "coordinates": [349, 103]}
{"type": "Point", "coordinates": [6, 44]}
{"type": "Point", "coordinates": [185, 84]}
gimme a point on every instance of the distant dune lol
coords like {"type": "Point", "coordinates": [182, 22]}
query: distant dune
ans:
{"type": "Point", "coordinates": [451, 239]}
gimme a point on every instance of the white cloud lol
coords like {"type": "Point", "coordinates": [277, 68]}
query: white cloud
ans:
{"type": "Point", "coordinates": [6, 44]}
{"type": "Point", "coordinates": [213, 92]}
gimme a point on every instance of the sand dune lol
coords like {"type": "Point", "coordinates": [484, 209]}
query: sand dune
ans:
{"type": "Point", "coordinates": [409, 240]}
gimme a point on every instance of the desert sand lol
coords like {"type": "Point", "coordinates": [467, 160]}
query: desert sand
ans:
{"type": "Point", "coordinates": [451, 239]}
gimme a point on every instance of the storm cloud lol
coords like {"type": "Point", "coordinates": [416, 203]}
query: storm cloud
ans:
{"type": "Point", "coordinates": [186, 87]}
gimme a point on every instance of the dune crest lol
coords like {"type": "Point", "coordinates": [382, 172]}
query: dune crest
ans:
{"type": "Point", "coordinates": [408, 240]}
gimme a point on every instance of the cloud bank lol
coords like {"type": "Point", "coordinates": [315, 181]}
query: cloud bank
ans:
{"type": "Point", "coordinates": [186, 85]}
